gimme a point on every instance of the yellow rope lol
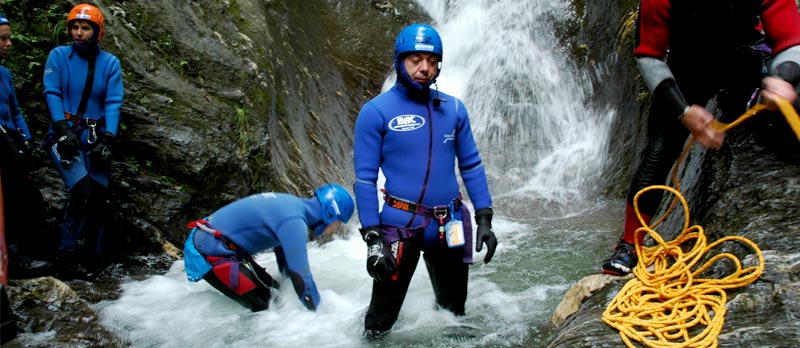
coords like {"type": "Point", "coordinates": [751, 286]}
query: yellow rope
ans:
{"type": "Point", "coordinates": [664, 308]}
{"type": "Point", "coordinates": [673, 306]}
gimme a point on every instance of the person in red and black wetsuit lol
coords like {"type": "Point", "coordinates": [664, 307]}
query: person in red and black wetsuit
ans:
{"type": "Point", "coordinates": [690, 52]}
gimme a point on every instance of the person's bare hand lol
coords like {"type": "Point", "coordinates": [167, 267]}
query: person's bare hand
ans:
{"type": "Point", "coordinates": [772, 88]}
{"type": "Point", "coordinates": [697, 121]}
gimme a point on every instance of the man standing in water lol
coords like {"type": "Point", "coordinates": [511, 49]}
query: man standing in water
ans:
{"type": "Point", "coordinates": [415, 134]}
{"type": "Point", "coordinates": [707, 59]}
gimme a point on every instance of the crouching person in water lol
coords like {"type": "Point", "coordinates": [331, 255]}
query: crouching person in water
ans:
{"type": "Point", "coordinates": [220, 248]}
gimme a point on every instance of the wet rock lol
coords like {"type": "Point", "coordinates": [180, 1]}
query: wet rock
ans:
{"type": "Point", "coordinates": [49, 308]}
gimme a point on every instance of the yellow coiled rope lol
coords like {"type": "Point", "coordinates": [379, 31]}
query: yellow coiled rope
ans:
{"type": "Point", "coordinates": [672, 305]}
{"type": "Point", "coordinates": [664, 308]}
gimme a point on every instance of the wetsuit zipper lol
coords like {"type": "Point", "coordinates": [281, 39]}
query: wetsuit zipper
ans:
{"type": "Point", "coordinates": [428, 167]}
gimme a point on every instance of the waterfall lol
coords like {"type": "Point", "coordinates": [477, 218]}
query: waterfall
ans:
{"type": "Point", "coordinates": [541, 144]}
{"type": "Point", "coordinates": [543, 148]}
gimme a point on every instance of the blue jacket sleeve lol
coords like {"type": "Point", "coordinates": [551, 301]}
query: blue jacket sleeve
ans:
{"type": "Point", "coordinates": [469, 161]}
{"type": "Point", "coordinates": [16, 113]}
{"type": "Point", "coordinates": [293, 238]}
{"type": "Point", "coordinates": [52, 85]}
{"type": "Point", "coordinates": [369, 132]}
{"type": "Point", "coordinates": [114, 94]}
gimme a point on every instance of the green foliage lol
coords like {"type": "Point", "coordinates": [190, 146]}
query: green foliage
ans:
{"type": "Point", "coordinates": [36, 28]}
{"type": "Point", "coordinates": [182, 66]}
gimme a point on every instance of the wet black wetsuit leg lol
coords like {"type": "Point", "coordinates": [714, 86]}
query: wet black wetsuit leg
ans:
{"type": "Point", "coordinates": [449, 275]}
{"type": "Point", "coordinates": [666, 136]}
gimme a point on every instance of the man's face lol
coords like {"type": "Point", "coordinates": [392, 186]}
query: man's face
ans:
{"type": "Point", "coordinates": [421, 66]}
{"type": "Point", "coordinates": [5, 40]}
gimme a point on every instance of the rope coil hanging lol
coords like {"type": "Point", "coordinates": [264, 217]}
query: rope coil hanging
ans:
{"type": "Point", "coordinates": [673, 305]}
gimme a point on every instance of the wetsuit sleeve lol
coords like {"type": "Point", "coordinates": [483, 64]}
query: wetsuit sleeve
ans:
{"type": "Point", "coordinates": [292, 235]}
{"type": "Point", "coordinates": [652, 43]}
{"type": "Point", "coordinates": [652, 29]}
{"type": "Point", "coordinates": [469, 160]}
{"type": "Point", "coordinates": [52, 86]}
{"type": "Point", "coordinates": [369, 132]}
{"type": "Point", "coordinates": [114, 94]}
{"type": "Point", "coordinates": [660, 81]}
{"type": "Point", "coordinates": [16, 113]}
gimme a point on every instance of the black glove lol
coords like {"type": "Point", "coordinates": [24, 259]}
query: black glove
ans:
{"type": "Point", "coordinates": [101, 154]}
{"type": "Point", "coordinates": [483, 217]}
{"type": "Point", "coordinates": [11, 156]}
{"type": "Point", "coordinates": [68, 144]}
{"type": "Point", "coordinates": [380, 262]}
{"type": "Point", "coordinates": [27, 149]}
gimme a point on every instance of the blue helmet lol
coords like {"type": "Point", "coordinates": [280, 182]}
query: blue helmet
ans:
{"type": "Point", "coordinates": [336, 204]}
{"type": "Point", "coordinates": [4, 20]}
{"type": "Point", "coordinates": [416, 38]}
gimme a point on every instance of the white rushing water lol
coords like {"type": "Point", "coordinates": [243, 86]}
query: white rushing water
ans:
{"type": "Point", "coordinates": [540, 143]}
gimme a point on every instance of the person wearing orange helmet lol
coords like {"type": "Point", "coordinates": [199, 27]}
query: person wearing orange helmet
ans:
{"type": "Point", "coordinates": [83, 89]}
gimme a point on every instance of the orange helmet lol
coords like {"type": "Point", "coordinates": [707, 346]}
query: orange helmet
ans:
{"type": "Point", "coordinates": [86, 12]}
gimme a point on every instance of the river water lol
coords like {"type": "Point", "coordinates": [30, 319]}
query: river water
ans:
{"type": "Point", "coordinates": [544, 150]}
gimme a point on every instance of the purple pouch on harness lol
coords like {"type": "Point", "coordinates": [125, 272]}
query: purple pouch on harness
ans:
{"type": "Point", "coordinates": [392, 234]}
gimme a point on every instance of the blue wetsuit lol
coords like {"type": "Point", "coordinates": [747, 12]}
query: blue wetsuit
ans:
{"type": "Point", "coordinates": [19, 194]}
{"type": "Point", "coordinates": [10, 115]}
{"type": "Point", "coordinates": [415, 138]}
{"type": "Point", "coordinates": [416, 145]}
{"type": "Point", "coordinates": [64, 80]}
{"type": "Point", "coordinates": [254, 224]}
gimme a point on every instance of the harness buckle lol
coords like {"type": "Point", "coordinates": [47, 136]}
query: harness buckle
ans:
{"type": "Point", "coordinates": [440, 212]}
{"type": "Point", "coordinates": [92, 137]}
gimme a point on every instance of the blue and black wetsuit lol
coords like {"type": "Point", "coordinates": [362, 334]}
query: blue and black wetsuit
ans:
{"type": "Point", "coordinates": [65, 76]}
{"type": "Point", "coordinates": [416, 138]}
{"type": "Point", "coordinates": [253, 224]}
{"type": "Point", "coordinates": [19, 194]}
{"type": "Point", "coordinates": [10, 114]}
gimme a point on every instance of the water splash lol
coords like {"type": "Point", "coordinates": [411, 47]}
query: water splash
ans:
{"type": "Point", "coordinates": [539, 140]}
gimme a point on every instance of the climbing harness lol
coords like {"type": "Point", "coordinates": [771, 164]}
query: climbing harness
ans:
{"type": "Point", "coordinates": [241, 256]}
{"type": "Point", "coordinates": [439, 212]}
{"type": "Point", "coordinates": [663, 307]}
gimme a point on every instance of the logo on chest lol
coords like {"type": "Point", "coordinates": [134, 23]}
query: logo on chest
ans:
{"type": "Point", "coordinates": [405, 123]}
